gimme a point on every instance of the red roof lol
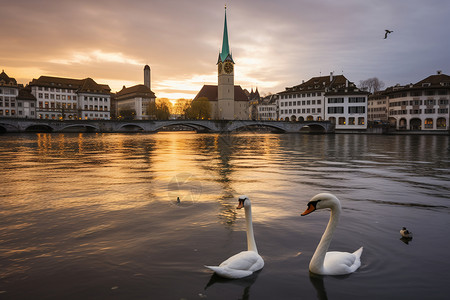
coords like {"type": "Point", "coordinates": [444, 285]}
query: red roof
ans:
{"type": "Point", "coordinates": [211, 92]}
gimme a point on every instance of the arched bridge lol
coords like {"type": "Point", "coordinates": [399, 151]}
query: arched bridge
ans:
{"type": "Point", "coordinates": [38, 125]}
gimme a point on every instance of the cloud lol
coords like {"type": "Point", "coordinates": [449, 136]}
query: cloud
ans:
{"type": "Point", "coordinates": [97, 56]}
{"type": "Point", "coordinates": [275, 44]}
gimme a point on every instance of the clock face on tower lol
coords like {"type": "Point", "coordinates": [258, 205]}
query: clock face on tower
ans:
{"type": "Point", "coordinates": [228, 67]}
{"type": "Point", "coordinates": [219, 67]}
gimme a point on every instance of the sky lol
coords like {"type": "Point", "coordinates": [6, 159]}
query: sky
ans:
{"type": "Point", "coordinates": [275, 44]}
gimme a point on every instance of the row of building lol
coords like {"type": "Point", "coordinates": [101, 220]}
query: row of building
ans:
{"type": "Point", "coordinates": [420, 106]}
{"type": "Point", "coordinates": [71, 99]}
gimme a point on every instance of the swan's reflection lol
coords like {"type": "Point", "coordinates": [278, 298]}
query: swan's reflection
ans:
{"type": "Point", "coordinates": [245, 282]}
{"type": "Point", "coordinates": [317, 282]}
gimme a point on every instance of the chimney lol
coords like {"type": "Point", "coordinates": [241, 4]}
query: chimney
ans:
{"type": "Point", "coordinates": [331, 76]}
{"type": "Point", "coordinates": [147, 76]}
{"type": "Point", "coordinates": [439, 72]}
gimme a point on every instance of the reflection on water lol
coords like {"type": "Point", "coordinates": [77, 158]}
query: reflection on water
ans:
{"type": "Point", "coordinates": [88, 216]}
{"type": "Point", "coordinates": [317, 282]}
{"type": "Point", "coordinates": [244, 283]}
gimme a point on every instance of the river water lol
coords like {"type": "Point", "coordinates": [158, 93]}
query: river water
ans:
{"type": "Point", "coordinates": [96, 216]}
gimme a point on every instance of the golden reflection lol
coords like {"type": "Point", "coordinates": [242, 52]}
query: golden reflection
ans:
{"type": "Point", "coordinates": [44, 142]}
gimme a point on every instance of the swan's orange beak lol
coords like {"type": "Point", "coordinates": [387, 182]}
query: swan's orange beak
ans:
{"type": "Point", "coordinates": [309, 210]}
{"type": "Point", "coordinates": [241, 205]}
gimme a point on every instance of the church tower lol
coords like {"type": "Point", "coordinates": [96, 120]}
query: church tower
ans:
{"type": "Point", "coordinates": [225, 68]}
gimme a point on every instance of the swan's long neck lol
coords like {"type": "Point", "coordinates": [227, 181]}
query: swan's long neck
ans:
{"type": "Point", "coordinates": [251, 244]}
{"type": "Point", "coordinates": [318, 258]}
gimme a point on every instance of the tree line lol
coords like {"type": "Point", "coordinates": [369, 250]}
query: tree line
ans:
{"type": "Point", "coordinates": [163, 109]}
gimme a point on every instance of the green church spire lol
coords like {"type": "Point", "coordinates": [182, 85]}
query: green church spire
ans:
{"type": "Point", "coordinates": [225, 54]}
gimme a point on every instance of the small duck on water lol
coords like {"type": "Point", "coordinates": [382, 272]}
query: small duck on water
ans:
{"type": "Point", "coordinates": [406, 233]}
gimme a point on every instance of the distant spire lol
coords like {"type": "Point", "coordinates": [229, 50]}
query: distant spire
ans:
{"type": "Point", "coordinates": [225, 46]}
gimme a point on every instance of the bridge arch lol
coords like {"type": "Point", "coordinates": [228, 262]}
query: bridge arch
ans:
{"type": "Point", "coordinates": [273, 125]}
{"type": "Point", "coordinates": [39, 128]}
{"type": "Point", "coordinates": [8, 127]}
{"type": "Point", "coordinates": [131, 127]}
{"type": "Point", "coordinates": [197, 126]}
{"type": "Point", "coordinates": [80, 128]}
{"type": "Point", "coordinates": [313, 128]}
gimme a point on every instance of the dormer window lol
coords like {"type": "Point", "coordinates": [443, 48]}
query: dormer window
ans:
{"type": "Point", "coordinates": [426, 84]}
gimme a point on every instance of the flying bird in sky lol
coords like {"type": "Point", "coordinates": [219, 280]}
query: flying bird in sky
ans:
{"type": "Point", "coordinates": [386, 33]}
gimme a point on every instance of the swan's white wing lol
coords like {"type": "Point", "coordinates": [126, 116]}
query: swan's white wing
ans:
{"type": "Point", "coordinates": [240, 265]}
{"type": "Point", "coordinates": [245, 260]}
{"type": "Point", "coordinates": [340, 263]}
{"type": "Point", "coordinates": [230, 273]}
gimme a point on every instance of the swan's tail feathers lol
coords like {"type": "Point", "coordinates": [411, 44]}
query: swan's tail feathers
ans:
{"type": "Point", "coordinates": [358, 252]}
{"type": "Point", "coordinates": [229, 273]}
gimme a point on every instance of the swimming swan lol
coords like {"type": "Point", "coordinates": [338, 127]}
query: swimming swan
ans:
{"type": "Point", "coordinates": [331, 263]}
{"type": "Point", "coordinates": [246, 262]}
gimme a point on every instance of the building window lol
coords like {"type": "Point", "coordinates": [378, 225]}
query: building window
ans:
{"type": "Point", "coordinates": [429, 123]}
{"type": "Point", "coordinates": [356, 109]}
{"type": "Point", "coordinates": [356, 100]}
{"type": "Point", "coordinates": [441, 123]}
{"type": "Point", "coordinates": [335, 100]}
{"type": "Point", "coordinates": [335, 110]}
{"type": "Point", "coordinates": [361, 121]}
{"type": "Point", "coordinates": [351, 121]}
{"type": "Point", "coordinates": [341, 121]}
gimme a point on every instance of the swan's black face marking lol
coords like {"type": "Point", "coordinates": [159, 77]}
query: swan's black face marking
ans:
{"type": "Point", "coordinates": [311, 207]}
{"type": "Point", "coordinates": [241, 202]}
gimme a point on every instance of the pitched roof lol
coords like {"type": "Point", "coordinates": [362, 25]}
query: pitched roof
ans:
{"type": "Point", "coordinates": [139, 90]}
{"type": "Point", "coordinates": [81, 85]}
{"type": "Point", "coordinates": [437, 80]}
{"type": "Point", "coordinates": [330, 84]}
{"type": "Point", "coordinates": [211, 93]}
{"type": "Point", "coordinates": [5, 79]}
{"type": "Point", "coordinates": [25, 94]}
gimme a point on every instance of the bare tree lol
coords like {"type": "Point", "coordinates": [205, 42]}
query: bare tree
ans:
{"type": "Point", "coordinates": [372, 84]}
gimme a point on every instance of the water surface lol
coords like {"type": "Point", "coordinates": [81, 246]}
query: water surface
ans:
{"type": "Point", "coordinates": [95, 216]}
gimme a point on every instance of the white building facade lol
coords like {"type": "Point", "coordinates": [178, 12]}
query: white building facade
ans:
{"type": "Point", "coordinates": [8, 93]}
{"type": "Point", "coordinates": [69, 99]}
{"type": "Point", "coordinates": [136, 99]}
{"type": "Point", "coordinates": [268, 108]}
{"type": "Point", "coordinates": [15, 100]}
{"type": "Point", "coordinates": [420, 106]}
{"type": "Point", "coordinates": [347, 110]}
{"type": "Point", "coordinates": [331, 98]}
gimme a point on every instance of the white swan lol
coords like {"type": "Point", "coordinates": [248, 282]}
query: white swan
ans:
{"type": "Point", "coordinates": [331, 263]}
{"type": "Point", "coordinates": [246, 262]}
